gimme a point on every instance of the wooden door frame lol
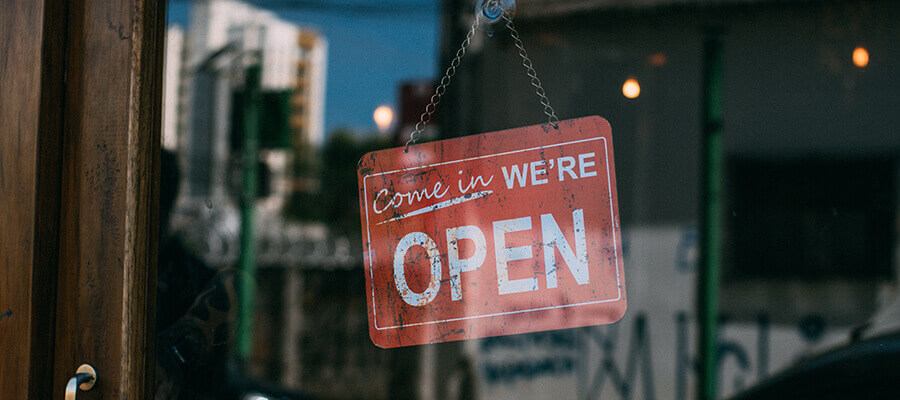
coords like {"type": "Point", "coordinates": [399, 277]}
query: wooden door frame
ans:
{"type": "Point", "coordinates": [80, 117]}
{"type": "Point", "coordinates": [32, 61]}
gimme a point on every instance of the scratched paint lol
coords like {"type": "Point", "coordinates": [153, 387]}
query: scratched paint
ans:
{"type": "Point", "coordinates": [6, 314]}
{"type": "Point", "coordinates": [493, 234]}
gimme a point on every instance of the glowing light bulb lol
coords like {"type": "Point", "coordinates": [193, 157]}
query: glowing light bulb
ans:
{"type": "Point", "coordinates": [860, 57]}
{"type": "Point", "coordinates": [383, 117]}
{"type": "Point", "coordinates": [631, 89]}
{"type": "Point", "coordinates": [658, 59]}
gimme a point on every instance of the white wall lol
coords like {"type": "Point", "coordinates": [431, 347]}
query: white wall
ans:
{"type": "Point", "coordinates": [647, 353]}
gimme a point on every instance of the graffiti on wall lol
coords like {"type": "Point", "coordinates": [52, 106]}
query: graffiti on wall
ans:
{"type": "Point", "coordinates": [650, 354]}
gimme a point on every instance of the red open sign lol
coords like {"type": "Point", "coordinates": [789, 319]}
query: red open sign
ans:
{"type": "Point", "coordinates": [500, 233]}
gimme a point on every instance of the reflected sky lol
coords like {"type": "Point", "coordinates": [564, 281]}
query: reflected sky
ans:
{"type": "Point", "coordinates": [373, 46]}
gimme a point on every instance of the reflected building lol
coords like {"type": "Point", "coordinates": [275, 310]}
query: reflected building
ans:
{"type": "Point", "coordinates": [173, 88]}
{"type": "Point", "coordinates": [224, 37]}
{"type": "Point", "coordinates": [308, 101]}
{"type": "Point", "coordinates": [203, 98]}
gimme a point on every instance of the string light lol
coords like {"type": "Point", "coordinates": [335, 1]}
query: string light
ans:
{"type": "Point", "coordinates": [860, 57]}
{"type": "Point", "coordinates": [383, 116]}
{"type": "Point", "coordinates": [631, 88]}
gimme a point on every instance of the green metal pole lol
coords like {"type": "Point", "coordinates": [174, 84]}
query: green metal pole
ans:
{"type": "Point", "coordinates": [247, 260]}
{"type": "Point", "coordinates": [710, 219]}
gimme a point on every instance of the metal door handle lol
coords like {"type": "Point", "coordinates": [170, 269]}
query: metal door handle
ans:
{"type": "Point", "coordinates": [85, 377]}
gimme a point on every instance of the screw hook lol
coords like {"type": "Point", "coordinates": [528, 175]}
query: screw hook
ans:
{"type": "Point", "coordinates": [490, 12]}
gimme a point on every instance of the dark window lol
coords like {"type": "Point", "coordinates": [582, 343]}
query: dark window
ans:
{"type": "Point", "coordinates": [812, 218]}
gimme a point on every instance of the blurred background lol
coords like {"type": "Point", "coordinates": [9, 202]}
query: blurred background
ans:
{"type": "Point", "coordinates": [756, 145]}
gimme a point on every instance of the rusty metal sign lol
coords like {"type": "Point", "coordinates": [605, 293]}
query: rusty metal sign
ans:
{"type": "Point", "coordinates": [494, 234]}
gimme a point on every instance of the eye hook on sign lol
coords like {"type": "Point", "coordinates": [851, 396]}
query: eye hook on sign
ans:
{"type": "Point", "coordinates": [490, 12]}
{"type": "Point", "coordinates": [487, 14]}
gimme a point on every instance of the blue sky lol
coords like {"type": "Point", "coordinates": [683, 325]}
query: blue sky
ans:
{"type": "Point", "coordinates": [370, 50]}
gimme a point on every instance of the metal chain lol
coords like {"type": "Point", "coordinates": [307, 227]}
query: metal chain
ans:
{"type": "Point", "coordinates": [442, 88]}
{"type": "Point", "coordinates": [552, 119]}
{"type": "Point", "coordinates": [529, 70]}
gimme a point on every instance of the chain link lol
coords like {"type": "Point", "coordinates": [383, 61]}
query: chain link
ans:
{"type": "Point", "coordinates": [529, 70]}
{"type": "Point", "coordinates": [451, 70]}
{"type": "Point", "coordinates": [442, 87]}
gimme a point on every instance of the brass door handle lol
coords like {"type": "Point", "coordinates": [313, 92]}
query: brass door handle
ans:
{"type": "Point", "coordinates": [85, 377]}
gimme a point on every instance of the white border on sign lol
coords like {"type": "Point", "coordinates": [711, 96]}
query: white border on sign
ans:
{"type": "Point", "coordinates": [612, 225]}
